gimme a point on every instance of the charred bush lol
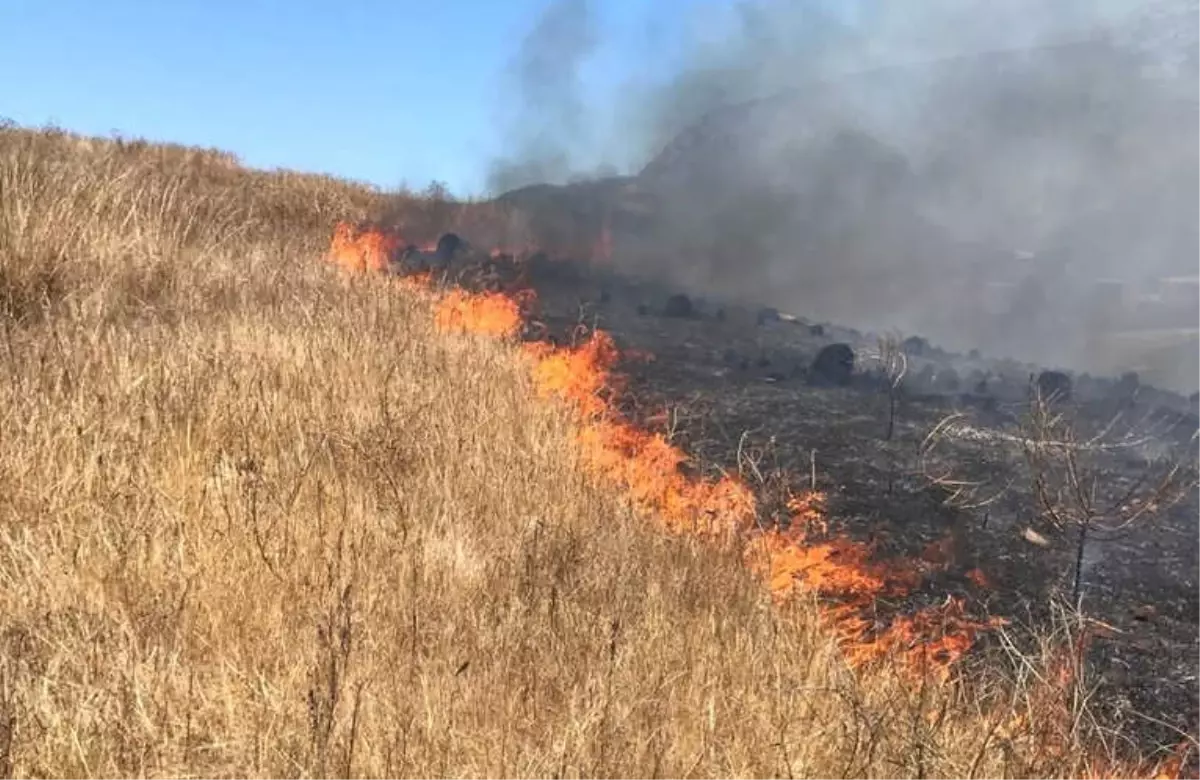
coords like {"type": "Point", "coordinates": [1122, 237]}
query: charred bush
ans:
{"type": "Point", "coordinates": [543, 268]}
{"type": "Point", "coordinates": [816, 330]}
{"type": "Point", "coordinates": [834, 364]}
{"type": "Point", "coordinates": [493, 274]}
{"type": "Point", "coordinates": [1128, 385]}
{"type": "Point", "coordinates": [1054, 386]}
{"type": "Point", "coordinates": [980, 382]}
{"type": "Point", "coordinates": [923, 380]}
{"type": "Point", "coordinates": [678, 305]}
{"type": "Point", "coordinates": [940, 380]}
{"type": "Point", "coordinates": [916, 346]}
{"type": "Point", "coordinates": [643, 309]}
{"type": "Point", "coordinates": [448, 245]}
{"type": "Point", "coordinates": [409, 260]}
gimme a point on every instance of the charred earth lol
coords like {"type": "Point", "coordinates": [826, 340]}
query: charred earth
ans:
{"type": "Point", "coordinates": [788, 405]}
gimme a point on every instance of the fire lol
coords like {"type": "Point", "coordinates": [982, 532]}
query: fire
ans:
{"type": "Point", "coordinates": [979, 578]}
{"type": "Point", "coordinates": [642, 463]}
{"type": "Point", "coordinates": [362, 249]}
{"type": "Point", "coordinates": [840, 569]}
{"type": "Point", "coordinates": [799, 558]}
{"type": "Point", "coordinates": [488, 314]}
{"type": "Point", "coordinates": [648, 467]}
{"type": "Point", "coordinates": [580, 375]}
{"type": "Point", "coordinates": [650, 471]}
{"type": "Point", "coordinates": [845, 573]}
{"type": "Point", "coordinates": [1052, 695]}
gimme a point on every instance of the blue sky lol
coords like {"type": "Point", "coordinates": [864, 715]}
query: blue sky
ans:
{"type": "Point", "coordinates": [379, 91]}
{"type": "Point", "coordinates": [397, 92]}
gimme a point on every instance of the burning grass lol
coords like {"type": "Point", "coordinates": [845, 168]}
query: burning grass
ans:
{"type": "Point", "coordinates": [842, 573]}
{"type": "Point", "coordinates": [650, 472]}
{"type": "Point", "coordinates": [363, 249]}
{"type": "Point", "coordinates": [488, 314]}
{"type": "Point", "coordinates": [262, 522]}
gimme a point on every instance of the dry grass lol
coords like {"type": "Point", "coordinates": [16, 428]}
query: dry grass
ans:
{"type": "Point", "coordinates": [258, 519]}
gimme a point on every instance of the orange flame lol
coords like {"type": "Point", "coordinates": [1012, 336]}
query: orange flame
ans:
{"type": "Point", "coordinates": [644, 464]}
{"type": "Point", "coordinates": [488, 314]}
{"type": "Point", "coordinates": [845, 572]}
{"type": "Point", "coordinates": [355, 249]}
{"type": "Point", "coordinates": [650, 471]}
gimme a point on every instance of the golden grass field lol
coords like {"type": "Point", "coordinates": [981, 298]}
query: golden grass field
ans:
{"type": "Point", "coordinates": [259, 518]}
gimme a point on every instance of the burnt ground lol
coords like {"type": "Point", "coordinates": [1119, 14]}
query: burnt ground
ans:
{"type": "Point", "coordinates": [739, 398]}
{"type": "Point", "coordinates": [737, 394]}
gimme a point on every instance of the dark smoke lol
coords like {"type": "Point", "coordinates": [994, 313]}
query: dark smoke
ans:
{"type": "Point", "coordinates": [964, 170]}
{"type": "Point", "coordinates": [548, 119]}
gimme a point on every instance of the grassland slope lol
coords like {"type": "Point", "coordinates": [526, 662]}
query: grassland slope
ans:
{"type": "Point", "coordinates": [260, 519]}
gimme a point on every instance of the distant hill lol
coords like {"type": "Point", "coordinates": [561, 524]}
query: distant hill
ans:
{"type": "Point", "coordinates": [891, 197]}
{"type": "Point", "coordinates": [972, 139]}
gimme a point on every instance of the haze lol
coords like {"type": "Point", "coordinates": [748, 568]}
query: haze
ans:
{"type": "Point", "coordinates": [969, 171]}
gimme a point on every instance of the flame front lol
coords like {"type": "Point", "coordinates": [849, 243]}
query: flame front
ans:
{"type": "Point", "coordinates": [649, 469]}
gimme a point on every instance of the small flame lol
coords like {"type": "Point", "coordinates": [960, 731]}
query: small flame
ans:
{"type": "Point", "coordinates": [939, 553]}
{"type": "Point", "coordinates": [979, 578]}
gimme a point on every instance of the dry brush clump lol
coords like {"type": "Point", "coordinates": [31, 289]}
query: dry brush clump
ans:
{"type": "Point", "coordinates": [261, 518]}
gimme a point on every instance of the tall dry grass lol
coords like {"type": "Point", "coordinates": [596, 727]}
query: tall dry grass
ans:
{"type": "Point", "coordinates": [257, 519]}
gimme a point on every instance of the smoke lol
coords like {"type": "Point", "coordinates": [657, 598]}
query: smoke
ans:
{"type": "Point", "coordinates": [961, 169]}
{"type": "Point", "coordinates": [548, 124]}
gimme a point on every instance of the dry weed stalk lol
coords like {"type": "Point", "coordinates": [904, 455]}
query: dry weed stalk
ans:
{"type": "Point", "coordinates": [958, 492]}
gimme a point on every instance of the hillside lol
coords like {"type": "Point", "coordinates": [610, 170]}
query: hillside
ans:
{"type": "Point", "coordinates": [264, 518]}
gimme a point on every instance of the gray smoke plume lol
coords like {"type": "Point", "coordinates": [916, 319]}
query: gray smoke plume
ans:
{"type": "Point", "coordinates": [984, 174]}
{"type": "Point", "coordinates": [547, 125]}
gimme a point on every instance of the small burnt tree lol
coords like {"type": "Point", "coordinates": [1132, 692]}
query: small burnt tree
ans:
{"type": "Point", "coordinates": [1072, 489]}
{"type": "Point", "coordinates": [893, 365]}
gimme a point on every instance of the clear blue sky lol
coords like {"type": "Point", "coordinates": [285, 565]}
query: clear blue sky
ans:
{"type": "Point", "coordinates": [373, 90]}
